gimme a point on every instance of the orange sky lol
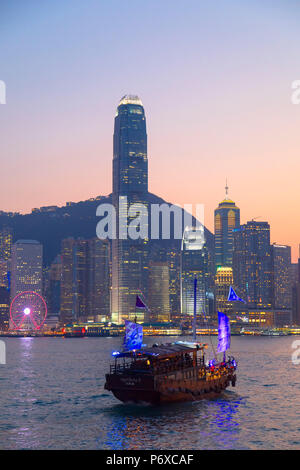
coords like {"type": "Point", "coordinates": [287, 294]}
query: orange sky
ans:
{"type": "Point", "coordinates": [215, 82]}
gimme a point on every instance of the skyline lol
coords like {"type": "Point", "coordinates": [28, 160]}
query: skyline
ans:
{"type": "Point", "coordinates": [222, 105]}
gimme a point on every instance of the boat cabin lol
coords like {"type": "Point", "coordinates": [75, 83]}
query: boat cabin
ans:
{"type": "Point", "coordinates": [160, 359]}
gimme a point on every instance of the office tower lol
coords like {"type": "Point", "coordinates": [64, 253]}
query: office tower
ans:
{"type": "Point", "coordinates": [26, 273]}
{"type": "Point", "coordinates": [170, 255]}
{"type": "Point", "coordinates": [5, 256]}
{"type": "Point", "coordinates": [55, 273]}
{"type": "Point", "coordinates": [130, 185]}
{"type": "Point", "coordinates": [98, 265]}
{"type": "Point", "coordinates": [4, 308]}
{"type": "Point", "coordinates": [223, 281]}
{"type": "Point", "coordinates": [282, 284]}
{"type": "Point", "coordinates": [194, 264]}
{"type": "Point", "coordinates": [27, 267]}
{"type": "Point", "coordinates": [227, 219]}
{"type": "Point", "coordinates": [159, 297]}
{"type": "Point", "coordinates": [80, 279]}
{"type": "Point", "coordinates": [66, 296]}
{"type": "Point", "coordinates": [5, 243]}
{"type": "Point", "coordinates": [252, 271]}
{"type": "Point", "coordinates": [85, 280]}
{"type": "Point", "coordinates": [73, 280]}
{"type": "Point", "coordinates": [4, 273]}
{"type": "Point", "coordinates": [295, 269]}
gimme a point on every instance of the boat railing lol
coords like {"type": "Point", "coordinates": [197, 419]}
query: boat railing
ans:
{"type": "Point", "coordinates": [130, 368]}
{"type": "Point", "coordinates": [156, 368]}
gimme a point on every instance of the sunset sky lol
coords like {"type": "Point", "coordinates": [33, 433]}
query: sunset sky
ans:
{"type": "Point", "coordinates": [215, 80]}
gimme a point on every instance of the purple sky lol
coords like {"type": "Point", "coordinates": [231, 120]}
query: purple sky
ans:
{"type": "Point", "coordinates": [215, 79]}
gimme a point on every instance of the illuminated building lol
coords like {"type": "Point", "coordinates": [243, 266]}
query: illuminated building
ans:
{"type": "Point", "coordinates": [170, 255]}
{"type": "Point", "coordinates": [27, 267]}
{"type": "Point", "coordinates": [98, 265]}
{"type": "Point", "coordinates": [227, 219]}
{"type": "Point", "coordinates": [5, 243]}
{"type": "Point", "coordinates": [130, 185]}
{"type": "Point", "coordinates": [295, 268]}
{"type": "Point", "coordinates": [223, 281]}
{"type": "Point", "coordinates": [194, 265]}
{"type": "Point", "coordinates": [159, 297]}
{"type": "Point", "coordinates": [161, 329]}
{"type": "Point", "coordinates": [4, 308]}
{"type": "Point", "coordinates": [282, 285]}
{"type": "Point", "coordinates": [5, 256]}
{"type": "Point", "coordinates": [85, 279]}
{"type": "Point", "coordinates": [252, 272]}
{"type": "Point", "coordinates": [26, 271]}
{"type": "Point", "coordinates": [4, 273]}
{"type": "Point", "coordinates": [54, 285]}
{"type": "Point", "coordinates": [66, 293]}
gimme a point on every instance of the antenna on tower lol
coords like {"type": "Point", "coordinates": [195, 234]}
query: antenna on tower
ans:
{"type": "Point", "coordinates": [226, 190]}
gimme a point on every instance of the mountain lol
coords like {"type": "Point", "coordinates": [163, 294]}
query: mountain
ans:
{"type": "Point", "coordinates": [49, 225]}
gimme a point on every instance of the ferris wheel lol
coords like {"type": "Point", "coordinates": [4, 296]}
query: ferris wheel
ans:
{"type": "Point", "coordinates": [28, 310]}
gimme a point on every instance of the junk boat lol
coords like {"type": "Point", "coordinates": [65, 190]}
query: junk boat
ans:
{"type": "Point", "coordinates": [171, 372]}
{"type": "Point", "coordinates": [168, 373]}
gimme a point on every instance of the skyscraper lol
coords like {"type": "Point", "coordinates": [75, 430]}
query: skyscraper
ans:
{"type": "Point", "coordinates": [27, 267]}
{"type": "Point", "coordinates": [282, 284]}
{"type": "Point", "coordinates": [252, 270]}
{"type": "Point", "coordinates": [170, 255]}
{"type": "Point", "coordinates": [66, 292]}
{"type": "Point", "coordinates": [223, 281]}
{"type": "Point", "coordinates": [4, 308]}
{"type": "Point", "coordinates": [5, 256]}
{"type": "Point", "coordinates": [194, 264]}
{"type": "Point", "coordinates": [98, 266]}
{"type": "Point", "coordinates": [55, 285]}
{"type": "Point", "coordinates": [130, 185]}
{"type": "Point", "coordinates": [85, 280]}
{"type": "Point", "coordinates": [159, 297]}
{"type": "Point", "coordinates": [227, 219]}
{"type": "Point", "coordinates": [5, 243]}
{"type": "Point", "coordinates": [296, 292]}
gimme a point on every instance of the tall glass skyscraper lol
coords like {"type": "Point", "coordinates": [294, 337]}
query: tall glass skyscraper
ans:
{"type": "Point", "coordinates": [194, 264]}
{"type": "Point", "coordinates": [227, 219]}
{"type": "Point", "coordinates": [252, 271]}
{"type": "Point", "coordinates": [282, 284]}
{"type": "Point", "coordinates": [85, 280]}
{"type": "Point", "coordinates": [26, 271]}
{"type": "Point", "coordinates": [27, 267]}
{"type": "Point", "coordinates": [159, 297]}
{"type": "Point", "coordinates": [5, 243]}
{"type": "Point", "coordinates": [223, 281]}
{"type": "Point", "coordinates": [130, 186]}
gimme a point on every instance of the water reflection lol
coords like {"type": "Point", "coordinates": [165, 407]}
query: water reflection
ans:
{"type": "Point", "coordinates": [25, 345]}
{"type": "Point", "coordinates": [52, 397]}
{"type": "Point", "coordinates": [194, 425]}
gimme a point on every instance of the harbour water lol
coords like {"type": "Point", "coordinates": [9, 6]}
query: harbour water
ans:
{"type": "Point", "coordinates": [52, 397]}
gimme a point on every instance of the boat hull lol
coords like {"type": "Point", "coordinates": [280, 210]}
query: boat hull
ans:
{"type": "Point", "coordinates": [160, 390]}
